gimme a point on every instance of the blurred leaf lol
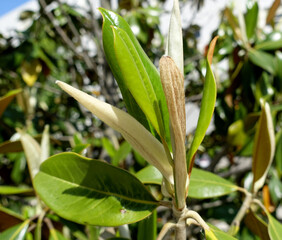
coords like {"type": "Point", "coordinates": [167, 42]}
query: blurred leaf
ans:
{"type": "Point", "coordinates": [272, 42]}
{"type": "Point", "coordinates": [275, 188]}
{"type": "Point", "coordinates": [10, 190]}
{"type": "Point", "coordinates": [133, 132]}
{"type": "Point", "coordinates": [121, 153]}
{"type": "Point", "coordinates": [278, 153]}
{"type": "Point", "coordinates": [150, 175]}
{"type": "Point", "coordinates": [45, 144]}
{"type": "Point", "coordinates": [87, 188]}
{"type": "Point", "coordinates": [216, 234]}
{"type": "Point", "coordinates": [80, 148]}
{"type": "Point", "coordinates": [147, 228]}
{"type": "Point", "coordinates": [264, 147]}
{"type": "Point", "coordinates": [56, 235]}
{"type": "Point", "coordinates": [30, 71]}
{"type": "Point", "coordinates": [8, 218]}
{"type": "Point", "coordinates": [262, 59]}
{"type": "Point", "coordinates": [236, 134]}
{"type": "Point", "coordinates": [256, 225]}
{"type": "Point", "coordinates": [205, 184]}
{"type": "Point", "coordinates": [32, 152]}
{"type": "Point", "coordinates": [272, 11]}
{"type": "Point", "coordinates": [112, 19]}
{"type": "Point", "coordinates": [17, 232]}
{"type": "Point", "coordinates": [274, 228]}
{"type": "Point", "coordinates": [251, 18]}
{"type": "Point", "coordinates": [6, 99]}
{"type": "Point", "coordinates": [207, 108]}
{"type": "Point", "coordinates": [232, 20]}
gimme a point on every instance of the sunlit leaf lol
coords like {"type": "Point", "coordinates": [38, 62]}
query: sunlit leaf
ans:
{"type": "Point", "coordinates": [88, 189]}
{"type": "Point", "coordinates": [10, 190]}
{"type": "Point", "coordinates": [150, 175]}
{"type": "Point", "coordinates": [6, 99]}
{"type": "Point", "coordinates": [263, 60]}
{"type": "Point", "coordinates": [56, 235]}
{"type": "Point", "coordinates": [206, 111]}
{"type": "Point", "coordinates": [251, 18]}
{"type": "Point", "coordinates": [216, 234]}
{"type": "Point", "coordinates": [121, 153]}
{"type": "Point", "coordinates": [139, 138]}
{"type": "Point", "coordinates": [30, 71]}
{"type": "Point", "coordinates": [204, 184]}
{"type": "Point", "coordinates": [45, 144]}
{"type": "Point", "coordinates": [264, 147]}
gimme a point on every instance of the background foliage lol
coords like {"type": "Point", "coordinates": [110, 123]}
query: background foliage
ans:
{"type": "Point", "coordinates": [64, 42]}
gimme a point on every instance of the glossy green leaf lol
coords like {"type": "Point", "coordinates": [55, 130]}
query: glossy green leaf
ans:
{"type": "Point", "coordinates": [274, 228]}
{"type": "Point", "coordinates": [278, 153]}
{"type": "Point", "coordinates": [262, 59]}
{"type": "Point", "coordinates": [112, 19]}
{"type": "Point", "coordinates": [251, 18]}
{"type": "Point", "coordinates": [135, 75]}
{"type": "Point", "coordinates": [10, 190]}
{"type": "Point", "coordinates": [216, 234]}
{"type": "Point", "coordinates": [206, 110]}
{"type": "Point", "coordinates": [264, 147]}
{"type": "Point", "coordinates": [92, 191]}
{"type": "Point", "coordinates": [147, 228]}
{"type": "Point", "coordinates": [204, 184]}
{"type": "Point", "coordinates": [17, 232]}
{"type": "Point", "coordinates": [150, 175]}
{"type": "Point", "coordinates": [6, 99]}
{"type": "Point", "coordinates": [124, 149]}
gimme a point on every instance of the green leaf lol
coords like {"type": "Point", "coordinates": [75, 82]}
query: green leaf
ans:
{"type": "Point", "coordinates": [204, 184]}
{"type": "Point", "coordinates": [262, 59]}
{"type": "Point", "coordinates": [10, 190]}
{"type": "Point", "coordinates": [124, 149]}
{"type": "Point", "coordinates": [216, 234]}
{"type": "Point", "coordinates": [264, 147]}
{"type": "Point", "coordinates": [17, 232]}
{"type": "Point", "coordinates": [251, 18]}
{"type": "Point", "coordinates": [269, 45]}
{"type": "Point", "coordinates": [92, 192]}
{"type": "Point", "coordinates": [79, 148]}
{"type": "Point", "coordinates": [8, 218]}
{"type": "Point", "coordinates": [150, 175]}
{"type": "Point", "coordinates": [6, 99]}
{"type": "Point", "coordinates": [147, 228]}
{"type": "Point", "coordinates": [135, 75]}
{"type": "Point", "coordinates": [56, 235]}
{"type": "Point", "coordinates": [274, 228]}
{"type": "Point", "coordinates": [206, 110]}
{"type": "Point", "coordinates": [112, 19]}
{"type": "Point", "coordinates": [278, 153]}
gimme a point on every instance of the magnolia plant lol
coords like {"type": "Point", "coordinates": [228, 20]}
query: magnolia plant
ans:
{"type": "Point", "coordinates": [94, 192]}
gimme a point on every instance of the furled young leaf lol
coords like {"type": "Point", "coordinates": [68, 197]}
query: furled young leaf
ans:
{"type": "Point", "coordinates": [204, 184]}
{"type": "Point", "coordinates": [251, 18]}
{"type": "Point", "coordinates": [32, 151]}
{"type": "Point", "coordinates": [92, 191]}
{"type": "Point", "coordinates": [17, 232]}
{"type": "Point", "coordinates": [135, 76]}
{"type": "Point", "coordinates": [262, 59]}
{"type": "Point", "coordinates": [10, 190]}
{"type": "Point", "coordinates": [207, 108]}
{"type": "Point", "coordinates": [274, 228]}
{"type": "Point", "coordinates": [6, 99]}
{"type": "Point", "coordinates": [174, 45]}
{"type": "Point", "coordinates": [139, 138]}
{"type": "Point", "coordinates": [150, 175]}
{"type": "Point", "coordinates": [111, 19]}
{"type": "Point", "coordinates": [216, 234]}
{"type": "Point", "coordinates": [173, 85]}
{"type": "Point", "coordinates": [147, 228]}
{"type": "Point", "coordinates": [45, 144]}
{"type": "Point", "coordinates": [264, 147]}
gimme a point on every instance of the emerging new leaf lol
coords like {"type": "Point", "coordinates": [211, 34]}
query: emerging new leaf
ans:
{"type": "Point", "coordinates": [140, 138]}
{"type": "Point", "coordinates": [173, 85]}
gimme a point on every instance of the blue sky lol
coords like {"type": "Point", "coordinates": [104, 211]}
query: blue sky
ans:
{"type": "Point", "coordinates": [8, 5]}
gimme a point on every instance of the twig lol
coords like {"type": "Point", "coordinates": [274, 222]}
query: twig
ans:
{"type": "Point", "coordinates": [167, 227]}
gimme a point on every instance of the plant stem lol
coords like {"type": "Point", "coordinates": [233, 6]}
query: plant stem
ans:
{"type": "Point", "coordinates": [180, 227]}
{"type": "Point", "coordinates": [234, 227]}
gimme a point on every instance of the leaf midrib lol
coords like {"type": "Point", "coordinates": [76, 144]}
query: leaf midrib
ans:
{"type": "Point", "coordinates": [105, 193]}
